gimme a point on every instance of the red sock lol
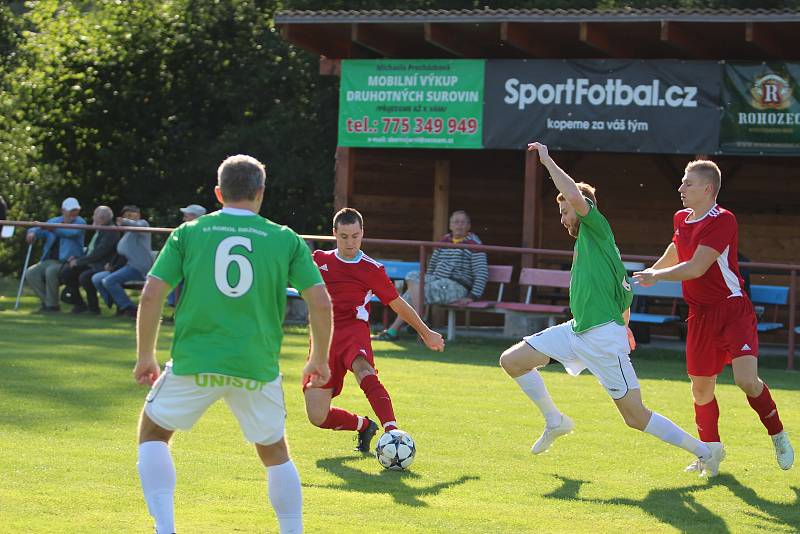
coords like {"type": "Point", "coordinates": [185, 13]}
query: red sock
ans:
{"type": "Point", "coordinates": [706, 417]}
{"type": "Point", "coordinates": [767, 411]}
{"type": "Point", "coordinates": [339, 419]}
{"type": "Point", "coordinates": [379, 399]}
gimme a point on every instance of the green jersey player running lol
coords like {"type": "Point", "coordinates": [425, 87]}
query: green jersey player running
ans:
{"type": "Point", "coordinates": [235, 267]}
{"type": "Point", "coordinates": [597, 337]}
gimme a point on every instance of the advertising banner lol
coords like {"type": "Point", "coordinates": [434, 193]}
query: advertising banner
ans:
{"type": "Point", "coordinates": [411, 103]}
{"type": "Point", "coordinates": [761, 108]}
{"type": "Point", "coordinates": [661, 106]}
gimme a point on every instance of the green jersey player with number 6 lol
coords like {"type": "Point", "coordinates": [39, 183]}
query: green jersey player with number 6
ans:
{"type": "Point", "coordinates": [235, 266]}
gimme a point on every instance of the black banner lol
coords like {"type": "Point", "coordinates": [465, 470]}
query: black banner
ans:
{"type": "Point", "coordinates": [663, 106]}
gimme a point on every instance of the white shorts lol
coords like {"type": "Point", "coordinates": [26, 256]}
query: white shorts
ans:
{"type": "Point", "coordinates": [177, 402]}
{"type": "Point", "coordinates": [603, 350]}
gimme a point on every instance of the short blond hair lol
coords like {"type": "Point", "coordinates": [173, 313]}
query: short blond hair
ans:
{"type": "Point", "coordinates": [708, 171]}
{"type": "Point", "coordinates": [586, 190]}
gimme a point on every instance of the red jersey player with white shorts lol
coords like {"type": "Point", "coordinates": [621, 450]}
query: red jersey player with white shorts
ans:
{"type": "Point", "coordinates": [352, 278]}
{"type": "Point", "coordinates": [722, 325]}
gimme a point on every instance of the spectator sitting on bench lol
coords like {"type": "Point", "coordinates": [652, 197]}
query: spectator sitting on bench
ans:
{"type": "Point", "coordinates": [102, 248]}
{"type": "Point", "coordinates": [454, 276]}
{"type": "Point", "coordinates": [60, 246]}
{"type": "Point", "coordinates": [135, 247]}
{"type": "Point", "coordinates": [95, 284]}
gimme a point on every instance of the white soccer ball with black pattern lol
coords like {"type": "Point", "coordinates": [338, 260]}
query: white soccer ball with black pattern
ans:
{"type": "Point", "coordinates": [396, 450]}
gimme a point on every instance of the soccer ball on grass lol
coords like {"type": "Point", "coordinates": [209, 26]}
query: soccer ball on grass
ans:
{"type": "Point", "coordinates": [396, 450]}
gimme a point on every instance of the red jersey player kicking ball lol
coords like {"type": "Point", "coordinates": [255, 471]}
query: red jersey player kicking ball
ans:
{"type": "Point", "coordinates": [351, 278]}
{"type": "Point", "coordinates": [722, 326]}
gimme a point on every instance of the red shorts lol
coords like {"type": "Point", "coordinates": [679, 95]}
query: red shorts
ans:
{"type": "Point", "coordinates": [348, 343]}
{"type": "Point", "coordinates": [718, 334]}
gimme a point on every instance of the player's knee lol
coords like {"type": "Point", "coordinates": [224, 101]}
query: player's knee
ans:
{"type": "Point", "coordinates": [362, 368]}
{"type": "Point", "coordinates": [749, 385]}
{"type": "Point", "coordinates": [316, 416]}
{"type": "Point", "coordinates": [507, 360]}
{"type": "Point", "coordinates": [273, 454]}
{"type": "Point", "coordinates": [517, 361]}
{"type": "Point", "coordinates": [150, 431]}
{"type": "Point", "coordinates": [702, 393]}
{"type": "Point", "coordinates": [636, 418]}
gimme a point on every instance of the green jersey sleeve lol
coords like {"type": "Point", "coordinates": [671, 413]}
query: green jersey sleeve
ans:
{"type": "Point", "coordinates": [169, 264]}
{"type": "Point", "coordinates": [303, 272]}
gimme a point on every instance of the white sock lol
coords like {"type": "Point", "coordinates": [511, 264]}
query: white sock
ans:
{"type": "Point", "coordinates": [532, 384]}
{"type": "Point", "coordinates": [286, 497]}
{"type": "Point", "coordinates": [157, 473]}
{"type": "Point", "coordinates": [665, 430]}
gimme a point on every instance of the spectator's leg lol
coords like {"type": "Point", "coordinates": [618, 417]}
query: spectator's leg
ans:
{"type": "Point", "coordinates": [35, 279]}
{"type": "Point", "coordinates": [51, 277]}
{"type": "Point", "coordinates": [113, 285]}
{"type": "Point", "coordinates": [85, 281]}
{"type": "Point", "coordinates": [97, 282]}
{"type": "Point", "coordinates": [70, 277]}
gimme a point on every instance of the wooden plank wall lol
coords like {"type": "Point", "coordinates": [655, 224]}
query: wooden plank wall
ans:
{"type": "Point", "coordinates": [637, 193]}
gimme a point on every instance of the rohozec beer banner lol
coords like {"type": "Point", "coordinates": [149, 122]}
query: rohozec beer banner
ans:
{"type": "Point", "coordinates": [762, 112]}
{"type": "Point", "coordinates": [411, 103]}
{"type": "Point", "coordinates": [663, 106]}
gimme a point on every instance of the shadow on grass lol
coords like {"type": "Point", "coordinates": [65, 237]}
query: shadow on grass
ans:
{"type": "Point", "coordinates": [393, 483]}
{"type": "Point", "coordinates": [679, 508]}
{"type": "Point", "coordinates": [59, 369]}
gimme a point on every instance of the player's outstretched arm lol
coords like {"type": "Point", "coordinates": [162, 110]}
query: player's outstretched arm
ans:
{"type": "Point", "coordinates": [148, 320]}
{"type": "Point", "coordinates": [668, 259]}
{"type": "Point", "coordinates": [319, 322]}
{"type": "Point", "coordinates": [563, 181]}
{"type": "Point", "coordinates": [433, 340]}
{"type": "Point", "coordinates": [704, 257]}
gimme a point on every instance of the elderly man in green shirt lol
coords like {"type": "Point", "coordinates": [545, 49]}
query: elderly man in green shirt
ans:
{"type": "Point", "coordinates": [597, 337]}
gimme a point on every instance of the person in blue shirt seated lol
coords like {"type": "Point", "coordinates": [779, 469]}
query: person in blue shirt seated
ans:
{"type": "Point", "coordinates": [61, 246]}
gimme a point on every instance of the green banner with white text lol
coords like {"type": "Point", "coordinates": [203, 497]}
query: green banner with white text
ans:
{"type": "Point", "coordinates": [761, 108]}
{"type": "Point", "coordinates": [411, 103]}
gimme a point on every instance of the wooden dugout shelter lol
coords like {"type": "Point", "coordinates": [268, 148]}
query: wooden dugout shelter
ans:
{"type": "Point", "coordinates": [408, 193]}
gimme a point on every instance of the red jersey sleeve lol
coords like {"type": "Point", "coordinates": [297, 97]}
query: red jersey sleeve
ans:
{"type": "Point", "coordinates": [382, 286]}
{"type": "Point", "coordinates": [317, 256]}
{"type": "Point", "coordinates": [720, 233]}
{"type": "Point", "coordinates": [676, 222]}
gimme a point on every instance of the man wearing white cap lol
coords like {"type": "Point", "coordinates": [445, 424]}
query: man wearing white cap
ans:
{"type": "Point", "coordinates": [192, 211]}
{"type": "Point", "coordinates": [60, 246]}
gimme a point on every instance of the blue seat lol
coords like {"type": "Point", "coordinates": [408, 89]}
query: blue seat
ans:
{"type": "Point", "coordinates": [665, 290]}
{"type": "Point", "coordinates": [770, 296]}
{"type": "Point", "coordinates": [398, 270]}
{"type": "Point", "coordinates": [653, 318]}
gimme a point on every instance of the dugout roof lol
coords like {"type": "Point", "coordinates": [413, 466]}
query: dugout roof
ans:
{"type": "Point", "coordinates": [740, 34]}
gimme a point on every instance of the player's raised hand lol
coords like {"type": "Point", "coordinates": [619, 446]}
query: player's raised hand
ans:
{"type": "Point", "coordinates": [316, 374]}
{"type": "Point", "coordinates": [433, 340]}
{"type": "Point", "coordinates": [645, 278]}
{"type": "Point", "coordinates": [146, 371]}
{"type": "Point", "coordinates": [541, 148]}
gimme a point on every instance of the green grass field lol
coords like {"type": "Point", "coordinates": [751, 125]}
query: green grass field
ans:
{"type": "Point", "coordinates": [68, 413]}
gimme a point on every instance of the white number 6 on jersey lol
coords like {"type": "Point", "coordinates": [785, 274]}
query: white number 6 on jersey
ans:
{"type": "Point", "coordinates": [223, 260]}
